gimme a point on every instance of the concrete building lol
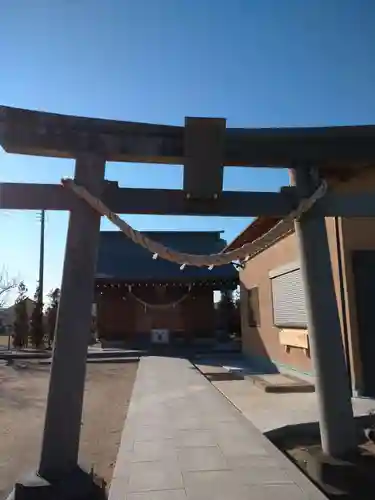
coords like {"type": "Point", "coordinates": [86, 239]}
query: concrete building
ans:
{"type": "Point", "coordinates": [274, 318]}
{"type": "Point", "coordinates": [7, 314]}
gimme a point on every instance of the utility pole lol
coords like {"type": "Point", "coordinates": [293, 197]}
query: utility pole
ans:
{"type": "Point", "coordinates": [41, 255]}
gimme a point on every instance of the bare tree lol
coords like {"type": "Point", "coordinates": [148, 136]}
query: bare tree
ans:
{"type": "Point", "coordinates": [6, 285]}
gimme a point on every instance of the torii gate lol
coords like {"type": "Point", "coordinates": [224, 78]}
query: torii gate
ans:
{"type": "Point", "coordinates": [204, 146]}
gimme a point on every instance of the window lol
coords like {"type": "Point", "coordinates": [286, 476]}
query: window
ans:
{"type": "Point", "coordinates": [288, 297]}
{"type": "Point", "coordinates": [253, 314]}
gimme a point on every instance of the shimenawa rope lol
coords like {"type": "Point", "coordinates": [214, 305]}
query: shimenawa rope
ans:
{"type": "Point", "coordinates": [185, 259]}
{"type": "Point", "coordinates": [160, 306]}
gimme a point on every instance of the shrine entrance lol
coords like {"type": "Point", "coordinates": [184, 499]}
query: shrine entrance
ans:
{"type": "Point", "coordinates": [137, 294]}
{"type": "Point", "coordinates": [204, 146]}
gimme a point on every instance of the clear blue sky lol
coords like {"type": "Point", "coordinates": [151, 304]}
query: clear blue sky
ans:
{"type": "Point", "coordinates": [258, 63]}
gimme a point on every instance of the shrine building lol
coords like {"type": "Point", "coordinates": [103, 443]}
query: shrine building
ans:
{"type": "Point", "coordinates": [141, 300]}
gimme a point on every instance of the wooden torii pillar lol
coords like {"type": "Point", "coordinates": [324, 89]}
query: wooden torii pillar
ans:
{"type": "Point", "coordinates": [94, 142]}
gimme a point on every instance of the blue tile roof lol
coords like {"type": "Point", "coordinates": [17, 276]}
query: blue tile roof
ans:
{"type": "Point", "coordinates": [121, 259]}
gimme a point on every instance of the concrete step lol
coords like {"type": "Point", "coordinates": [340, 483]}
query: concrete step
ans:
{"type": "Point", "coordinates": [280, 383]}
{"type": "Point", "coordinates": [267, 382]}
{"type": "Point", "coordinates": [91, 354]}
{"type": "Point", "coordinates": [133, 359]}
{"type": "Point", "coordinates": [5, 355]}
{"type": "Point", "coordinates": [94, 353]}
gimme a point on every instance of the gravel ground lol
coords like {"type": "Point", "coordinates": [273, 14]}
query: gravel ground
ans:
{"type": "Point", "coordinates": [4, 341]}
{"type": "Point", "coordinates": [23, 393]}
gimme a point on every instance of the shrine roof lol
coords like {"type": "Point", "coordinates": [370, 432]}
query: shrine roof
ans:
{"type": "Point", "coordinates": [121, 259]}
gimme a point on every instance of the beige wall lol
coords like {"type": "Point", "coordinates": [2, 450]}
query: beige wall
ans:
{"type": "Point", "coordinates": [264, 340]}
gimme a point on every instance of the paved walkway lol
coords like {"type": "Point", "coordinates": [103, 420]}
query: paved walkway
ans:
{"type": "Point", "coordinates": [269, 411]}
{"type": "Point", "coordinates": [183, 440]}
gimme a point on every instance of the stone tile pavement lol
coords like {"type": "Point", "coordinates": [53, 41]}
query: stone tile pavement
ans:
{"type": "Point", "coordinates": [268, 411]}
{"type": "Point", "coordinates": [183, 440]}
